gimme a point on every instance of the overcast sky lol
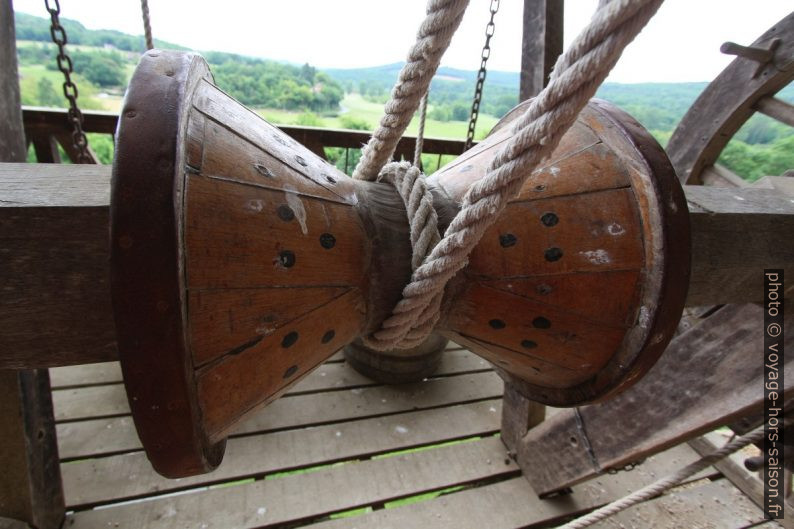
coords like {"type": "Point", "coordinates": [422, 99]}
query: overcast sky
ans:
{"type": "Point", "coordinates": [681, 43]}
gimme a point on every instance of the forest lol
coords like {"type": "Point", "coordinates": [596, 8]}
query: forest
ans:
{"type": "Point", "coordinates": [286, 93]}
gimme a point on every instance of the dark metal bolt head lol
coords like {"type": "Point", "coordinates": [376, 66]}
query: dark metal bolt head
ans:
{"type": "Point", "coordinates": [285, 213]}
{"type": "Point", "coordinates": [287, 258]}
{"type": "Point", "coordinates": [507, 240]}
{"type": "Point", "coordinates": [553, 254]}
{"type": "Point", "coordinates": [327, 241]}
{"type": "Point", "coordinates": [549, 219]}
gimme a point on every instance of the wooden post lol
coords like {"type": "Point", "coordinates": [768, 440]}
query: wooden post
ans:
{"type": "Point", "coordinates": [541, 45]}
{"type": "Point", "coordinates": [30, 487]}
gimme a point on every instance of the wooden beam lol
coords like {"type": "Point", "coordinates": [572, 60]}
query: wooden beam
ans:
{"type": "Point", "coordinates": [776, 109]}
{"type": "Point", "coordinates": [30, 484]}
{"type": "Point", "coordinates": [709, 376]}
{"type": "Point", "coordinates": [54, 244]}
{"type": "Point", "coordinates": [736, 233]}
{"type": "Point", "coordinates": [541, 45]}
{"type": "Point", "coordinates": [55, 249]}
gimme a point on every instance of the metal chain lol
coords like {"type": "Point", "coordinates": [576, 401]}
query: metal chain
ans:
{"type": "Point", "coordinates": [74, 114]}
{"type": "Point", "coordinates": [486, 53]}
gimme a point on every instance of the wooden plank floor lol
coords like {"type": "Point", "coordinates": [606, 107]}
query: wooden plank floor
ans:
{"type": "Point", "coordinates": [340, 451]}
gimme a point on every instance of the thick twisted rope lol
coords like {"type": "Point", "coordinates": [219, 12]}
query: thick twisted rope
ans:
{"type": "Point", "coordinates": [147, 25]}
{"type": "Point", "coordinates": [657, 487]}
{"type": "Point", "coordinates": [432, 40]}
{"type": "Point", "coordinates": [576, 76]}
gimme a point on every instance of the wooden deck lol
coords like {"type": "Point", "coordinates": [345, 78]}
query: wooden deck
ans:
{"type": "Point", "coordinates": [340, 451]}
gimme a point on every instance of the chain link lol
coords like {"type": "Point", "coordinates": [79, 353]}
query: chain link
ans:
{"type": "Point", "coordinates": [58, 34]}
{"type": "Point", "coordinates": [486, 53]}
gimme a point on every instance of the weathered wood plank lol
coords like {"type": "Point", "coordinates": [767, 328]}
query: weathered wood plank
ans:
{"type": "Point", "coordinates": [709, 376]}
{"type": "Point", "coordinates": [102, 401]}
{"type": "Point", "coordinates": [541, 44]}
{"type": "Point", "coordinates": [54, 247]}
{"type": "Point", "coordinates": [776, 109]}
{"type": "Point", "coordinates": [334, 489]}
{"type": "Point", "coordinates": [736, 233]}
{"type": "Point", "coordinates": [104, 480]}
{"type": "Point", "coordinates": [331, 375]}
{"type": "Point", "coordinates": [715, 504]}
{"type": "Point", "coordinates": [104, 436]}
{"type": "Point", "coordinates": [512, 503]}
{"type": "Point", "coordinates": [733, 469]}
{"type": "Point", "coordinates": [30, 485]}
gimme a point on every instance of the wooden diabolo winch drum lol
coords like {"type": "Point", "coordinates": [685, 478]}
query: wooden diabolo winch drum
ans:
{"type": "Point", "coordinates": [240, 261]}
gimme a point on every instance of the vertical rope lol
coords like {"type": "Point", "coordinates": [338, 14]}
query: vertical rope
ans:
{"type": "Point", "coordinates": [147, 25]}
{"type": "Point", "coordinates": [420, 135]}
{"type": "Point", "coordinates": [432, 40]}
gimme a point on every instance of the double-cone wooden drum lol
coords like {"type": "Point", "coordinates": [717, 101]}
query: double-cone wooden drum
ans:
{"type": "Point", "coordinates": [241, 261]}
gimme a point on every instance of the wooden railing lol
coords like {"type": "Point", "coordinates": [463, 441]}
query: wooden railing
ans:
{"type": "Point", "coordinates": [47, 128]}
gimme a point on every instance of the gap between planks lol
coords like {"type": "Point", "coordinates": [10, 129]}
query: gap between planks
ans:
{"type": "Point", "coordinates": [91, 438]}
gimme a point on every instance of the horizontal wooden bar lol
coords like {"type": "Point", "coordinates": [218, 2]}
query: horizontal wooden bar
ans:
{"type": "Point", "coordinates": [48, 120]}
{"type": "Point", "coordinates": [54, 237]}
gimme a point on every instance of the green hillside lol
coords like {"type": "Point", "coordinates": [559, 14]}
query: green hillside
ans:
{"type": "Point", "coordinates": [353, 98]}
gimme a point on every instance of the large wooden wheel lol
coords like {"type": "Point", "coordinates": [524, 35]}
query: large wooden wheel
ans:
{"type": "Point", "coordinates": [746, 86]}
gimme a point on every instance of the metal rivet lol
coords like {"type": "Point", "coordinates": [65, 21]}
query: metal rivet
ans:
{"type": "Point", "coordinates": [289, 340]}
{"type": "Point", "coordinates": [285, 213]}
{"type": "Point", "coordinates": [528, 344]}
{"type": "Point", "coordinates": [328, 336]}
{"type": "Point", "coordinates": [291, 371]}
{"type": "Point", "coordinates": [553, 254]}
{"type": "Point", "coordinates": [541, 323]}
{"type": "Point", "coordinates": [331, 179]}
{"type": "Point", "coordinates": [287, 258]}
{"type": "Point", "coordinates": [130, 114]}
{"type": "Point", "coordinates": [540, 187]}
{"type": "Point", "coordinates": [497, 324]}
{"type": "Point", "coordinates": [507, 240]}
{"type": "Point", "coordinates": [327, 241]}
{"type": "Point", "coordinates": [301, 161]}
{"type": "Point", "coordinates": [549, 219]}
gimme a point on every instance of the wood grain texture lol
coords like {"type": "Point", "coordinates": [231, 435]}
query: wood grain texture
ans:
{"type": "Point", "coordinates": [708, 377]}
{"type": "Point", "coordinates": [736, 233]}
{"type": "Point", "coordinates": [115, 435]}
{"type": "Point", "coordinates": [270, 502]}
{"type": "Point", "coordinates": [104, 480]}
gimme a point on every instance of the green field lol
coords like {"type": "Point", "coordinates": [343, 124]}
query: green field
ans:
{"type": "Point", "coordinates": [354, 105]}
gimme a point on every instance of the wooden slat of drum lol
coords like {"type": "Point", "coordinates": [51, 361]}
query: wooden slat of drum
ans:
{"type": "Point", "coordinates": [604, 170]}
{"type": "Point", "coordinates": [104, 436]}
{"type": "Point", "coordinates": [234, 386]}
{"type": "Point", "coordinates": [222, 320]}
{"type": "Point", "coordinates": [602, 297]}
{"type": "Point", "coordinates": [222, 109]}
{"type": "Point", "coordinates": [107, 400]}
{"type": "Point", "coordinates": [535, 330]}
{"type": "Point", "coordinates": [455, 177]}
{"type": "Point", "coordinates": [300, 497]}
{"type": "Point", "coordinates": [227, 155]}
{"type": "Point", "coordinates": [512, 503]}
{"type": "Point", "coordinates": [103, 480]}
{"type": "Point", "coordinates": [234, 238]}
{"type": "Point", "coordinates": [594, 232]}
{"type": "Point", "coordinates": [110, 372]}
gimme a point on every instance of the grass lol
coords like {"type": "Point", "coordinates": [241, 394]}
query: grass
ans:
{"type": "Point", "coordinates": [354, 105]}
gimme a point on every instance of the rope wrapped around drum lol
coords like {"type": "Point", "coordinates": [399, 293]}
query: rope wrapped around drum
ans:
{"type": "Point", "coordinates": [576, 76]}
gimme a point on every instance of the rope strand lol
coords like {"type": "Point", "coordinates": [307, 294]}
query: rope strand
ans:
{"type": "Point", "coordinates": [659, 486]}
{"type": "Point", "coordinates": [576, 76]}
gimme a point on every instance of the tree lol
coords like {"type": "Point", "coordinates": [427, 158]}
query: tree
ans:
{"type": "Point", "coordinates": [46, 95]}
